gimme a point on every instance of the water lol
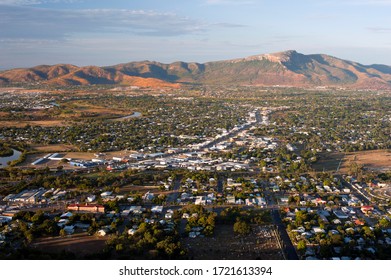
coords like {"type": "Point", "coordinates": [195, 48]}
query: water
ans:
{"type": "Point", "coordinates": [4, 160]}
{"type": "Point", "coordinates": [134, 115]}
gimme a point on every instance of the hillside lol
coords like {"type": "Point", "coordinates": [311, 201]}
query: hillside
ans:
{"type": "Point", "coordinates": [288, 68]}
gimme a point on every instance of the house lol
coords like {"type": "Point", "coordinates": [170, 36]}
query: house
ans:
{"type": "Point", "coordinates": [157, 209]}
{"type": "Point", "coordinates": [193, 234]}
{"type": "Point", "coordinates": [66, 215]}
{"type": "Point", "coordinates": [250, 201]}
{"type": "Point", "coordinates": [148, 196]}
{"type": "Point", "coordinates": [4, 220]}
{"type": "Point", "coordinates": [102, 232]}
{"type": "Point", "coordinates": [185, 216]}
{"type": "Point", "coordinates": [324, 219]}
{"type": "Point", "coordinates": [337, 222]}
{"type": "Point", "coordinates": [69, 229]}
{"type": "Point", "coordinates": [106, 194]}
{"type": "Point", "coordinates": [239, 201]}
{"type": "Point", "coordinates": [200, 200]}
{"type": "Point", "coordinates": [284, 200]}
{"type": "Point", "coordinates": [358, 222]}
{"type": "Point", "coordinates": [261, 201]}
{"type": "Point", "coordinates": [62, 222]}
{"type": "Point", "coordinates": [231, 199]}
{"type": "Point", "coordinates": [319, 201]}
{"type": "Point", "coordinates": [340, 215]}
{"type": "Point", "coordinates": [318, 230]}
{"type": "Point", "coordinates": [367, 209]}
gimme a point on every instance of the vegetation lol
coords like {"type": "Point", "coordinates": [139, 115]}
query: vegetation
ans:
{"type": "Point", "coordinates": [5, 150]}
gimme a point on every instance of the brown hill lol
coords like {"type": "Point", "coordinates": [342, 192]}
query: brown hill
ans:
{"type": "Point", "coordinates": [288, 68]}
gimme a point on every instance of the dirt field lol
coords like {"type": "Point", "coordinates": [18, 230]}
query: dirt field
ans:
{"type": "Point", "coordinates": [260, 244]}
{"type": "Point", "coordinates": [373, 160]}
{"type": "Point", "coordinates": [32, 123]}
{"type": "Point", "coordinates": [80, 244]}
{"type": "Point", "coordinates": [52, 148]}
{"type": "Point", "coordinates": [378, 161]}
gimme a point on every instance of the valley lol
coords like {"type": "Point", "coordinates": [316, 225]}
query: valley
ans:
{"type": "Point", "coordinates": [167, 172]}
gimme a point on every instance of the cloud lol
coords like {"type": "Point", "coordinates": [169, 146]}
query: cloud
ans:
{"type": "Point", "coordinates": [33, 2]}
{"type": "Point", "coordinates": [228, 2]}
{"type": "Point", "coordinates": [365, 2]}
{"type": "Point", "coordinates": [29, 22]}
{"type": "Point", "coordinates": [20, 2]}
{"type": "Point", "coordinates": [380, 29]}
{"type": "Point", "coordinates": [227, 25]}
{"type": "Point", "coordinates": [21, 22]}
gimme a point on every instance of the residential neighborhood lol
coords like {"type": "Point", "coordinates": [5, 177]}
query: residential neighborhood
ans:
{"type": "Point", "coordinates": [261, 180]}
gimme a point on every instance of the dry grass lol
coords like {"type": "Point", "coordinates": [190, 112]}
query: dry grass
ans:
{"type": "Point", "coordinates": [80, 244]}
{"type": "Point", "coordinates": [379, 160]}
{"type": "Point", "coordinates": [52, 148]}
{"type": "Point", "coordinates": [33, 123]}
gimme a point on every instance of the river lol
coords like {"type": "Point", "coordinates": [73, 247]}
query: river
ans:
{"type": "Point", "coordinates": [134, 115]}
{"type": "Point", "coordinates": [4, 160]}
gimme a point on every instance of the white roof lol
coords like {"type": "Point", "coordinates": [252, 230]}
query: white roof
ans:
{"type": "Point", "coordinates": [66, 215]}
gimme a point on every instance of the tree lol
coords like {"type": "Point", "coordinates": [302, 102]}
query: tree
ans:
{"type": "Point", "coordinates": [242, 228]}
{"type": "Point", "coordinates": [301, 246]}
{"type": "Point", "coordinates": [384, 223]}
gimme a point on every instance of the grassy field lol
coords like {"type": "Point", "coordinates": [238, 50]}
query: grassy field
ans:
{"type": "Point", "coordinates": [328, 161]}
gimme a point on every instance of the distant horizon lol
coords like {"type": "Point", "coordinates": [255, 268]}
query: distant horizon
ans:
{"type": "Point", "coordinates": [170, 62]}
{"type": "Point", "coordinates": [98, 32]}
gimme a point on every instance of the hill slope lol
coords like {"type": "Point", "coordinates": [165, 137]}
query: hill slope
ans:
{"type": "Point", "coordinates": [288, 68]}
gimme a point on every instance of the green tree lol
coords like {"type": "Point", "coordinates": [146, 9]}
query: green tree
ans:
{"type": "Point", "coordinates": [242, 228]}
{"type": "Point", "coordinates": [301, 246]}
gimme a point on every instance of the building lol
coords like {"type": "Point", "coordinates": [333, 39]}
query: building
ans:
{"type": "Point", "coordinates": [340, 215]}
{"type": "Point", "coordinates": [91, 208]}
{"type": "Point", "coordinates": [367, 209]}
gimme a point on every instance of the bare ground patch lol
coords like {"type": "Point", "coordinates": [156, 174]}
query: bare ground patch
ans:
{"type": "Point", "coordinates": [48, 123]}
{"type": "Point", "coordinates": [224, 245]}
{"type": "Point", "coordinates": [52, 148]}
{"type": "Point", "coordinates": [80, 244]}
{"type": "Point", "coordinates": [379, 160]}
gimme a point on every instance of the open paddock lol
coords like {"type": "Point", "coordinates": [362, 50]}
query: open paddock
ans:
{"type": "Point", "coordinates": [56, 148]}
{"type": "Point", "coordinates": [21, 123]}
{"type": "Point", "coordinates": [80, 244]}
{"type": "Point", "coordinates": [328, 161]}
{"type": "Point", "coordinates": [378, 161]}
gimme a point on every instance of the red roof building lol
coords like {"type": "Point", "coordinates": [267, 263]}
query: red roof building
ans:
{"type": "Point", "coordinates": [367, 208]}
{"type": "Point", "coordinates": [91, 208]}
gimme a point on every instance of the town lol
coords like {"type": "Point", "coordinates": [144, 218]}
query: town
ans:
{"type": "Point", "coordinates": [197, 173]}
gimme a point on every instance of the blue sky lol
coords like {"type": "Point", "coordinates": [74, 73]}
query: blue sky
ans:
{"type": "Point", "coordinates": [96, 32]}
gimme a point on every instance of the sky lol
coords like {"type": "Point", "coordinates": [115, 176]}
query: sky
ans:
{"type": "Point", "coordinates": [97, 32]}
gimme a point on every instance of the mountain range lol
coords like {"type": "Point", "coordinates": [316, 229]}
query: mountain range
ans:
{"type": "Point", "coordinates": [288, 68]}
